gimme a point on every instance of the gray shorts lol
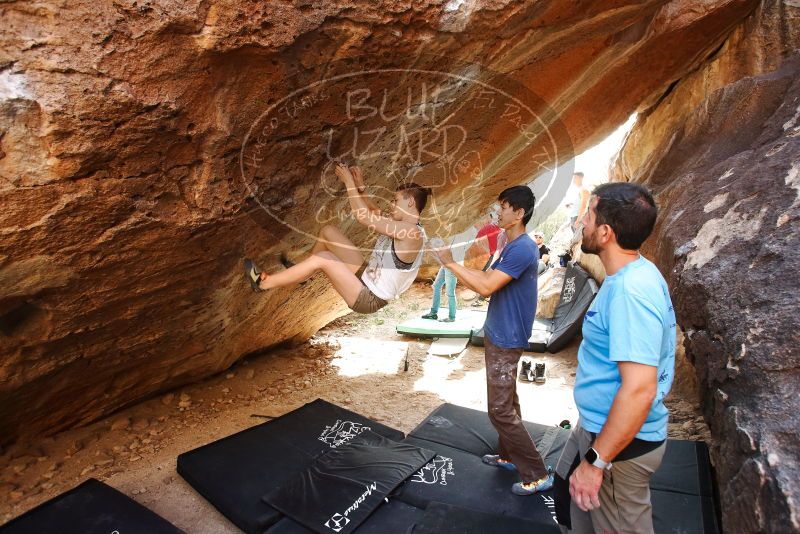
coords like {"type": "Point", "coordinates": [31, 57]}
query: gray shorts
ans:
{"type": "Point", "coordinates": [367, 301]}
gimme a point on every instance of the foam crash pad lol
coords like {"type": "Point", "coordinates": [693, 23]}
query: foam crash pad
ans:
{"type": "Point", "coordinates": [681, 487]}
{"type": "Point", "coordinates": [541, 332]}
{"type": "Point", "coordinates": [233, 473]}
{"type": "Point", "coordinates": [443, 518]}
{"type": "Point", "coordinates": [675, 513]}
{"type": "Point", "coordinates": [90, 508]}
{"type": "Point", "coordinates": [342, 487]}
{"type": "Point", "coordinates": [467, 321]}
{"type": "Point", "coordinates": [461, 479]}
{"type": "Point", "coordinates": [391, 517]}
{"type": "Point", "coordinates": [686, 468]}
{"type": "Point", "coordinates": [471, 431]}
{"type": "Point", "coordinates": [577, 294]}
{"type": "Point", "coordinates": [450, 346]}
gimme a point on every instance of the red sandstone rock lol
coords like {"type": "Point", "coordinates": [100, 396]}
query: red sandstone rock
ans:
{"type": "Point", "coordinates": [125, 216]}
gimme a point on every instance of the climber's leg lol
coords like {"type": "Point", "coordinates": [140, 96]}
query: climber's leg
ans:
{"type": "Point", "coordinates": [343, 279]}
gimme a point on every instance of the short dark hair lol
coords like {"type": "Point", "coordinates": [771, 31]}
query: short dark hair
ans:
{"type": "Point", "coordinates": [417, 192]}
{"type": "Point", "coordinates": [629, 209]}
{"type": "Point", "coordinates": [520, 197]}
{"type": "Point", "coordinates": [579, 173]}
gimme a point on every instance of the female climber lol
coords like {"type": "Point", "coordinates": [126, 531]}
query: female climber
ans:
{"type": "Point", "coordinates": [393, 264]}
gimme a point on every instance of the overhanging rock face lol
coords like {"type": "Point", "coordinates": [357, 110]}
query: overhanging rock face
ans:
{"type": "Point", "coordinates": [722, 152]}
{"type": "Point", "coordinates": [139, 160]}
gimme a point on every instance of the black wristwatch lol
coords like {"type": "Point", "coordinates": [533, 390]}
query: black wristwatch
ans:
{"type": "Point", "coordinates": [593, 458]}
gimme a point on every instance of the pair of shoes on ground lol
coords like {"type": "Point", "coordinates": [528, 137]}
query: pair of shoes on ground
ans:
{"type": "Point", "coordinates": [521, 488]}
{"type": "Point", "coordinates": [433, 316]}
{"type": "Point", "coordinates": [532, 373]}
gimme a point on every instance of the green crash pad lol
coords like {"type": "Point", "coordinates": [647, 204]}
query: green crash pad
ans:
{"type": "Point", "coordinates": [467, 321]}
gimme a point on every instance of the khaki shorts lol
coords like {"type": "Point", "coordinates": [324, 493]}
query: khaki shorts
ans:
{"type": "Point", "coordinates": [625, 505]}
{"type": "Point", "coordinates": [367, 302]}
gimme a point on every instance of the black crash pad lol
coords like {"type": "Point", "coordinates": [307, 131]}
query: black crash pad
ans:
{"type": "Point", "coordinates": [679, 513]}
{"type": "Point", "coordinates": [90, 508]}
{"type": "Point", "coordinates": [392, 517]}
{"type": "Point", "coordinates": [686, 468]}
{"type": "Point", "coordinates": [577, 294]}
{"type": "Point", "coordinates": [461, 479]}
{"type": "Point", "coordinates": [443, 518]}
{"type": "Point", "coordinates": [683, 477]}
{"type": "Point", "coordinates": [342, 487]}
{"type": "Point", "coordinates": [233, 473]}
{"type": "Point", "coordinates": [471, 431]}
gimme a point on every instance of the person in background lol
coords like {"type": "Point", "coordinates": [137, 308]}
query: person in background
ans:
{"type": "Point", "coordinates": [577, 200]}
{"type": "Point", "coordinates": [544, 252]}
{"type": "Point", "coordinates": [462, 245]}
{"type": "Point", "coordinates": [443, 277]}
{"type": "Point", "coordinates": [489, 243]}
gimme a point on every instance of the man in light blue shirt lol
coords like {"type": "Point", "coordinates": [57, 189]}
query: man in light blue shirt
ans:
{"type": "Point", "coordinates": [625, 369]}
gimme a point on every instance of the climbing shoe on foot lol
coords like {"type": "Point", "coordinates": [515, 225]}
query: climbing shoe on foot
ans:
{"type": "Point", "coordinates": [430, 315]}
{"type": "Point", "coordinates": [447, 320]}
{"type": "Point", "coordinates": [495, 461]}
{"type": "Point", "coordinates": [253, 274]}
{"type": "Point", "coordinates": [544, 484]}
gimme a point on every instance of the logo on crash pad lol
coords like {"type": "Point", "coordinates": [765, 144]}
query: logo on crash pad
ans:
{"type": "Point", "coordinates": [569, 290]}
{"type": "Point", "coordinates": [341, 432]}
{"type": "Point", "coordinates": [435, 472]}
{"type": "Point", "coordinates": [337, 522]}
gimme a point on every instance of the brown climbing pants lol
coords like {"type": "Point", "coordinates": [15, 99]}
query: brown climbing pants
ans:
{"type": "Point", "coordinates": [516, 444]}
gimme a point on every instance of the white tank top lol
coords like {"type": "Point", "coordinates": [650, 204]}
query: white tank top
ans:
{"type": "Point", "coordinates": [386, 275]}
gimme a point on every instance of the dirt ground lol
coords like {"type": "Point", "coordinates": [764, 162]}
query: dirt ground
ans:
{"type": "Point", "coordinates": [356, 362]}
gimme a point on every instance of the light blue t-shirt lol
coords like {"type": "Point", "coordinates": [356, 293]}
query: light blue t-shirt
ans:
{"type": "Point", "coordinates": [630, 320]}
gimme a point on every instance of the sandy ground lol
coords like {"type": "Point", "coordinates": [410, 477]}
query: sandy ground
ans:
{"type": "Point", "coordinates": [356, 362]}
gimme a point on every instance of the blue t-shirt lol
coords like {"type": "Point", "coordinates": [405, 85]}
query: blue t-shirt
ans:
{"type": "Point", "coordinates": [512, 307]}
{"type": "Point", "coordinates": [630, 320]}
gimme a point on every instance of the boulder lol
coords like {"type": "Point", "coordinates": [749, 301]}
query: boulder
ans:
{"type": "Point", "coordinates": [550, 283]}
{"type": "Point", "coordinates": [146, 148]}
{"type": "Point", "coordinates": [721, 151]}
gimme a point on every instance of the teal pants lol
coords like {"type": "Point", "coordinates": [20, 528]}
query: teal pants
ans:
{"type": "Point", "coordinates": [448, 279]}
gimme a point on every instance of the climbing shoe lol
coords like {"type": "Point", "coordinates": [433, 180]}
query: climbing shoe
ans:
{"type": "Point", "coordinates": [544, 484]}
{"type": "Point", "coordinates": [495, 461]}
{"type": "Point", "coordinates": [538, 373]}
{"type": "Point", "coordinates": [525, 372]}
{"type": "Point", "coordinates": [430, 315]}
{"type": "Point", "coordinates": [253, 274]}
